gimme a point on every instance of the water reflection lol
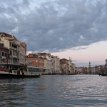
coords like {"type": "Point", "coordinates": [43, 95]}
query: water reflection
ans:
{"type": "Point", "coordinates": [55, 91]}
{"type": "Point", "coordinates": [12, 93]}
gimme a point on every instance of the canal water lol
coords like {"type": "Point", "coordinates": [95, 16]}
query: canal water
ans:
{"type": "Point", "coordinates": [54, 91]}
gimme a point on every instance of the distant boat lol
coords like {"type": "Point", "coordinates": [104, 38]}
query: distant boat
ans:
{"type": "Point", "coordinates": [18, 71]}
{"type": "Point", "coordinates": [103, 69]}
{"type": "Point", "coordinates": [103, 74]}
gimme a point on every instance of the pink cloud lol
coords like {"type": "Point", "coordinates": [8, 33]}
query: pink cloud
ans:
{"type": "Point", "coordinates": [96, 53]}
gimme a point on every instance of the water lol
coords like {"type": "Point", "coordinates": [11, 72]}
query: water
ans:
{"type": "Point", "coordinates": [54, 91]}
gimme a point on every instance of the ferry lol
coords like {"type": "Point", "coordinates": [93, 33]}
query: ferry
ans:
{"type": "Point", "coordinates": [18, 71]}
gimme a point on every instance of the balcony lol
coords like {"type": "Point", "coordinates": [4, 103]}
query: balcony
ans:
{"type": "Point", "coordinates": [14, 46]}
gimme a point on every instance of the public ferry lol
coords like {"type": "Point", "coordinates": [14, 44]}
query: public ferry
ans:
{"type": "Point", "coordinates": [18, 71]}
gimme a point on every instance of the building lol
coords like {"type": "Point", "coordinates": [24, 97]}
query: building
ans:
{"type": "Point", "coordinates": [64, 66]}
{"type": "Point", "coordinates": [16, 48]}
{"type": "Point", "coordinates": [4, 54]}
{"type": "Point", "coordinates": [47, 62]}
{"type": "Point", "coordinates": [22, 53]}
{"type": "Point", "coordinates": [55, 65]}
{"type": "Point", "coordinates": [72, 67]}
{"type": "Point", "coordinates": [36, 61]}
{"type": "Point", "coordinates": [67, 66]}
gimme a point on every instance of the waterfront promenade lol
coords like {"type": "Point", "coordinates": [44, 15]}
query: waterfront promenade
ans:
{"type": "Point", "coordinates": [55, 91]}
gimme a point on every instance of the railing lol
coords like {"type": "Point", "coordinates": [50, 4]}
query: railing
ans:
{"type": "Point", "coordinates": [2, 69]}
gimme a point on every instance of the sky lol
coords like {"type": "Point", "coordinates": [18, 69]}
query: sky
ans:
{"type": "Point", "coordinates": [95, 53]}
{"type": "Point", "coordinates": [67, 28]}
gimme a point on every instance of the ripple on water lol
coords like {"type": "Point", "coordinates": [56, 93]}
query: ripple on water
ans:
{"type": "Point", "coordinates": [55, 91]}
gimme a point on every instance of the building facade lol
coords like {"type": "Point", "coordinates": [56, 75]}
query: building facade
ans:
{"type": "Point", "coordinates": [35, 61]}
{"type": "Point", "coordinates": [67, 66]}
{"type": "Point", "coordinates": [22, 53]}
{"type": "Point", "coordinates": [14, 46]}
{"type": "Point", "coordinates": [4, 54]}
{"type": "Point", "coordinates": [55, 65]}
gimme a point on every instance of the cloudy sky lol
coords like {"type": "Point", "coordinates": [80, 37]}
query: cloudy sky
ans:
{"type": "Point", "coordinates": [75, 28]}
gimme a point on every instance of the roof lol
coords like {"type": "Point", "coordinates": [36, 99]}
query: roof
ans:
{"type": "Point", "coordinates": [8, 36]}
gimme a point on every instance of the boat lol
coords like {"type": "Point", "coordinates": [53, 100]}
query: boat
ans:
{"type": "Point", "coordinates": [18, 71]}
{"type": "Point", "coordinates": [103, 69]}
{"type": "Point", "coordinates": [103, 74]}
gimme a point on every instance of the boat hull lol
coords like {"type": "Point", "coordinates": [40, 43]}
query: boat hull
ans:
{"type": "Point", "coordinates": [103, 74]}
{"type": "Point", "coordinates": [6, 76]}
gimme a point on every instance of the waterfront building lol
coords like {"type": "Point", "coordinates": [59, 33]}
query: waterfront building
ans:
{"type": "Point", "coordinates": [13, 52]}
{"type": "Point", "coordinates": [36, 61]}
{"type": "Point", "coordinates": [81, 70]}
{"type": "Point", "coordinates": [67, 66]}
{"type": "Point", "coordinates": [55, 65]}
{"type": "Point", "coordinates": [93, 70]}
{"type": "Point", "coordinates": [99, 69]}
{"type": "Point", "coordinates": [17, 49]}
{"type": "Point", "coordinates": [32, 60]}
{"type": "Point", "coordinates": [4, 54]}
{"type": "Point", "coordinates": [64, 66]}
{"type": "Point", "coordinates": [52, 63]}
{"type": "Point", "coordinates": [72, 67]}
{"type": "Point", "coordinates": [22, 53]}
{"type": "Point", "coordinates": [47, 62]}
{"type": "Point", "coordinates": [11, 43]}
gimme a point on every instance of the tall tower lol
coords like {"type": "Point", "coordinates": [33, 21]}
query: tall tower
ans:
{"type": "Point", "coordinates": [89, 69]}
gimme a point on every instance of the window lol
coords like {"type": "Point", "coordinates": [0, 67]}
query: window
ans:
{"type": "Point", "coordinates": [3, 54]}
{"type": "Point", "coordinates": [10, 52]}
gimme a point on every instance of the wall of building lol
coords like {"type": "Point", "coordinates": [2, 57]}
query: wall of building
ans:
{"type": "Point", "coordinates": [15, 54]}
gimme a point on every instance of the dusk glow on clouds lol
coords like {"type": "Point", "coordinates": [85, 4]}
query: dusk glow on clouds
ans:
{"type": "Point", "coordinates": [95, 53]}
{"type": "Point", "coordinates": [57, 25]}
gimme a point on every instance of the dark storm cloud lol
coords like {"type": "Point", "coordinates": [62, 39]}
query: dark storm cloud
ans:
{"type": "Point", "coordinates": [55, 24]}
